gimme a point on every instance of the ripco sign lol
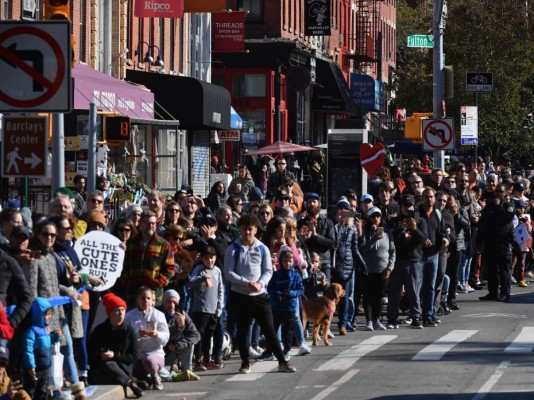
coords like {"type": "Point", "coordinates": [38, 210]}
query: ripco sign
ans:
{"type": "Point", "coordinates": [159, 8]}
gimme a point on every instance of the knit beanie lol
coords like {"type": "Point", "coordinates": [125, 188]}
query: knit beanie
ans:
{"type": "Point", "coordinates": [170, 293]}
{"type": "Point", "coordinates": [111, 302]}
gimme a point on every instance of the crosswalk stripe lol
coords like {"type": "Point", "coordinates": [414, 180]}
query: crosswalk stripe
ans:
{"type": "Point", "coordinates": [436, 350]}
{"type": "Point", "coordinates": [488, 385]}
{"type": "Point", "coordinates": [524, 342]}
{"type": "Point", "coordinates": [347, 358]}
{"type": "Point", "coordinates": [332, 388]}
{"type": "Point", "coordinates": [258, 369]}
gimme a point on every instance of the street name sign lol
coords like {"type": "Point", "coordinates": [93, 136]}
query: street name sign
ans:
{"type": "Point", "coordinates": [479, 82]}
{"type": "Point", "coordinates": [424, 41]}
{"type": "Point", "coordinates": [25, 147]}
{"type": "Point", "coordinates": [35, 66]}
{"type": "Point", "coordinates": [438, 134]}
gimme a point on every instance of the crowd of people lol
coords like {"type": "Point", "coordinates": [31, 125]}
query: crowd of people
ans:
{"type": "Point", "coordinates": [203, 278]}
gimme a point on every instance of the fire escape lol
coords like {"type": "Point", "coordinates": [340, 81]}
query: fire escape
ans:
{"type": "Point", "coordinates": [365, 37]}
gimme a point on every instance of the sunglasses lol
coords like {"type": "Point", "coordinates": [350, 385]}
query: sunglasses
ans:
{"type": "Point", "coordinates": [265, 213]}
{"type": "Point", "coordinates": [174, 210]}
{"type": "Point", "coordinates": [124, 230]}
{"type": "Point", "coordinates": [48, 234]}
{"type": "Point", "coordinates": [67, 228]}
{"type": "Point", "coordinates": [376, 216]}
{"type": "Point", "coordinates": [97, 201]}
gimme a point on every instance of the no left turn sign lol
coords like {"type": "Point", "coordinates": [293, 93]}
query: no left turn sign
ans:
{"type": "Point", "coordinates": [438, 134]}
{"type": "Point", "coordinates": [35, 65]}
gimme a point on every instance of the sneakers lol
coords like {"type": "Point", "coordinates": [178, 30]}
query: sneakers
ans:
{"type": "Point", "coordinates": [378, 326]}
{"type": "Point", "coordinates": [522, 284]}
{"type": "Point", "coordinates": [469, 288]}
{"type": "Point", "coordinates": [304, 349]}
{"type": "Point", "coordinates": [253, 352]}
{"type": "Point", "coordinates": [461, 288]}
{"type": "Point", "coordinates": [245, 368]}
{"type": "Point", "coordinates": [287, 357]}
{"type": "Point", "coordinates": [453, 306]}
{"type": "Point", "coordinates": [407, 321]}
{"type": "Point", "coordinates": [156, 382]}
{"type": "Point", "coordinates": [392, 325]}
{"type": "Point", "coordinates": [200, 367]}
{"type": "Point", "coordinates": [369, 326]}
{"type": "Point", "coordinates": [427, 322]}
{"type": "Point", "coordinates": [416, 324]}
{"type": "Point", "coordinates": [330, 334]}
{"type": "Point", "coordinates": [286, 367]}
{"type": "Point", "coordinates": [529, 274]}
{"type": "Point", "coordinates": [435, 319]}
{"type": "Point", "coordinates": [514, 281]}
{"type": "Point", "coordinates": [266, 356]}
{"type": "Point", "coordinates": [349, 327]}
{"type": "Point", "coordinates": [213, 365]}
{"type": "Point", "coordinates": [488, 297]}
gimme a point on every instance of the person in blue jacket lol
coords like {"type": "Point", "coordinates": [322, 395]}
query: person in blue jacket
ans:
{"type": "Point", "coordinates": [36, 349]}
{"type": "Point", "coordinates": [285, 288]}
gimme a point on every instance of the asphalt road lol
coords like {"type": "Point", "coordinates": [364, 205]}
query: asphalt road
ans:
{"type": "Point", "coordinates": [483, 351]}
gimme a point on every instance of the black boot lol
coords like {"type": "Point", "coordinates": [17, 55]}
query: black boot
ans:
{"type": "Point", "coordinates": [137, 391]}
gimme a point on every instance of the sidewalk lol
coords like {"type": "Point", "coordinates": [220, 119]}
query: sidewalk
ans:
{"type": "Point", "coordinates": [106, 392]}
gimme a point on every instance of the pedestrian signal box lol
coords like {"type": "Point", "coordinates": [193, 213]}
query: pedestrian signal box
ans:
{"type": "Point", "coordinates": [413, 128]}
{"type": "Point", "coordinates": [117, 129]}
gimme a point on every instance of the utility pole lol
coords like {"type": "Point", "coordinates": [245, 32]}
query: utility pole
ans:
{"type": "Point", "coordinates": [438, 26]}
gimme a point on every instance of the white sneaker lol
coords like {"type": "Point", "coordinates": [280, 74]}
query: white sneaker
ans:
{"type": "Point", "coordinates": [378, 326]}
{"type": "Point", "coordinates": [469, 288]}
{"type": "Point", "coordinates": [253, 353]}
{"type": "Point", "coordinates": [304, 349]}
{"type": "Point", "coordinates": [462, 288]}
{"type": "Point", "coordinates": [330, 334]}
{"type": "Point", "coordinates": [369, 326]}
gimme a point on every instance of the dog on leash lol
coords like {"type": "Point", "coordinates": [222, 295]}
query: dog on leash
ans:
{"type": "Point", "coordinates": [321, 310]}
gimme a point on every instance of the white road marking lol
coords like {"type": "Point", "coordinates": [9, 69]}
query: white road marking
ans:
{"type": "Point", "coordinates": [347, 358]}
{"type": "Point", "coordinates": [494, 315]}
{"type": "Point", "coordinates": [486, 388]}
{"type": "Point", "coordinates": [436, 350]}
{"type": "Point", "coordinates": [524, 342]}
{"type": "Point", "coordinates": [334, 386]}
{"type": "Point", "coordinates": [184, 394]}
{"type": "Point", "coordinates": [258, 369]}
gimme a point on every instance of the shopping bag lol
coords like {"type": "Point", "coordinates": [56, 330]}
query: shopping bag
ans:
{"type": "Point", "coordinates": [55, 371]}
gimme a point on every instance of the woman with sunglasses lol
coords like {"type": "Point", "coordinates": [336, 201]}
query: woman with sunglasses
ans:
{"type": "Point", "coordinates": [70, 280]}
{"type": "Point", "coordinates": [265, 214]}
{"type": "Point", "coordinates": [43, 280]}
{"type": "Point", "coordinates": [378, 251]}
{"type": "Point", "coordinates": [173, 212]}
{"type": "Point", "coordinates": [236, 204]}
{"type": "Point", "coordinates": [124, 229]}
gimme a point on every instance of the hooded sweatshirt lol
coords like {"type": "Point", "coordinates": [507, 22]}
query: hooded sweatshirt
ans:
{"type": "Point", "coordinates": [37, 342]}
{"type": "Point", "coordinates": [285, 286]}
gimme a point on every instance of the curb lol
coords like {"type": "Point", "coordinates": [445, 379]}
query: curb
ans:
{"type": "Point", "coordinates": [108, 393]}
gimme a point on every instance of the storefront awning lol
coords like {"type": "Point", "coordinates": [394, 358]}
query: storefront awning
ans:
{"type": "Point", "coordinates": [331, 94]}
{"type": "Point", "coordinates": [110, 94]}
{"type": "Point", "coordinates": [197, 104]}
{"type": "Point", "coordinates": [236, 122]}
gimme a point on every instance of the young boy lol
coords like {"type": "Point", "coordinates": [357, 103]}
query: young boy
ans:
{"type": "Point", "coordinates": [285, 287]}
{"type": "Point", "coordinates": [37, 343]}
{"type": "Point", "coordinates": [315, 285]}
{"type": "Point", "coordinates": [208, 299]}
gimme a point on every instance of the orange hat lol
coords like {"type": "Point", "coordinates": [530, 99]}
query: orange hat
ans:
{"type": "Point", "coordinates": [96, 216]}
{"type": "Point", "coordinates": [112, 302]}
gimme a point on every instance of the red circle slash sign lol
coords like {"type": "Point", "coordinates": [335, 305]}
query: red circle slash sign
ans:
{"type": "Point", "coordinates": [51, 86]}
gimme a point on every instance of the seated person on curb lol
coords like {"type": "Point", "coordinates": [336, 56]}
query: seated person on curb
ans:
{"type": "Point", "coordinates": [183, 336]}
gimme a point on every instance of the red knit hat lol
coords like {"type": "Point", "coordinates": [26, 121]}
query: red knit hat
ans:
{"type": "Point", "coordinates": [112, 302]}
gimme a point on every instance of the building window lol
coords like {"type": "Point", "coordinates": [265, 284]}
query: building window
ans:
{"type": "Point", "coordinates": [253, 128]}
{"type": "Point", "coordinates": [254, 8]}
{"type": "Point", "coordinates": [248, 85]}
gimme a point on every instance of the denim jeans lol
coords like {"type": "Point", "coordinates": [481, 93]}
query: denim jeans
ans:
{"type": "Point", "coordinates": [343, 305]}
{"type": "Point", "coordinates": [69, 365]}
{"type": "Point", "coordinates": [296, 327]}
{"type": "Point", "coordinates": [429, 271]}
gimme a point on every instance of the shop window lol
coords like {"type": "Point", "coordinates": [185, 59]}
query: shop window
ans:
{"type": "Point", "coordinates": [253, 128]}
{"type": "Point", "coordinates": [248, 85]}
{"type": "Point", "coordinates": [254, 8]}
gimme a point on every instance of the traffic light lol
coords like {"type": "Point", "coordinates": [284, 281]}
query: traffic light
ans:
{"type": "Point", "coordinates": [117, 129]}
{"type": "Point", "coordinates": [414, 126]}
{"type": "Point", "coordinates": [57, 10]}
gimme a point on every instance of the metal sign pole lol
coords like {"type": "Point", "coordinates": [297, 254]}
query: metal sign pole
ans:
{"type": "Point", "coordinates": [439, 156]}
{"type": "Point", "coordinates": [91, 153]}
{"type": "Point", "coordinates": [58, 152]}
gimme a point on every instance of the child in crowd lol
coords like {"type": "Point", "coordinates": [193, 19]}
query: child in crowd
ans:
{"type": "Point", "coordinates": [285, 287]}
{"type": "Point", "coordinates": [316, 283]}
{"type": "Point", "coordinates": [206, 282]}
{"type": "Point", "coordinates": [37, 344]}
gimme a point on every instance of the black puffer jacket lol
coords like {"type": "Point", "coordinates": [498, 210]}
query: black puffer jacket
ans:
{"type": "Point", "coordinates": [14, 289]}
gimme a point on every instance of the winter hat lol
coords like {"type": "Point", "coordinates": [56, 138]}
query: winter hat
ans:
{"type": "Point", "coordinates": [134, 208]}
{"type": "Point", "coordinates": [111, 302]}
{"type": "Point", "coordinates": [96, 216]}
{"type": "Point", "coordinates": [343, 203]}
{"type": "Point", "coordinates": [169, 294]}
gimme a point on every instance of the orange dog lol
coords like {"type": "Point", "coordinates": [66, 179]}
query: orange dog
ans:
{"type": "Point", "coordinates": [321, 310]}
{"type": "Point", "coordinates": [185, 259]}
